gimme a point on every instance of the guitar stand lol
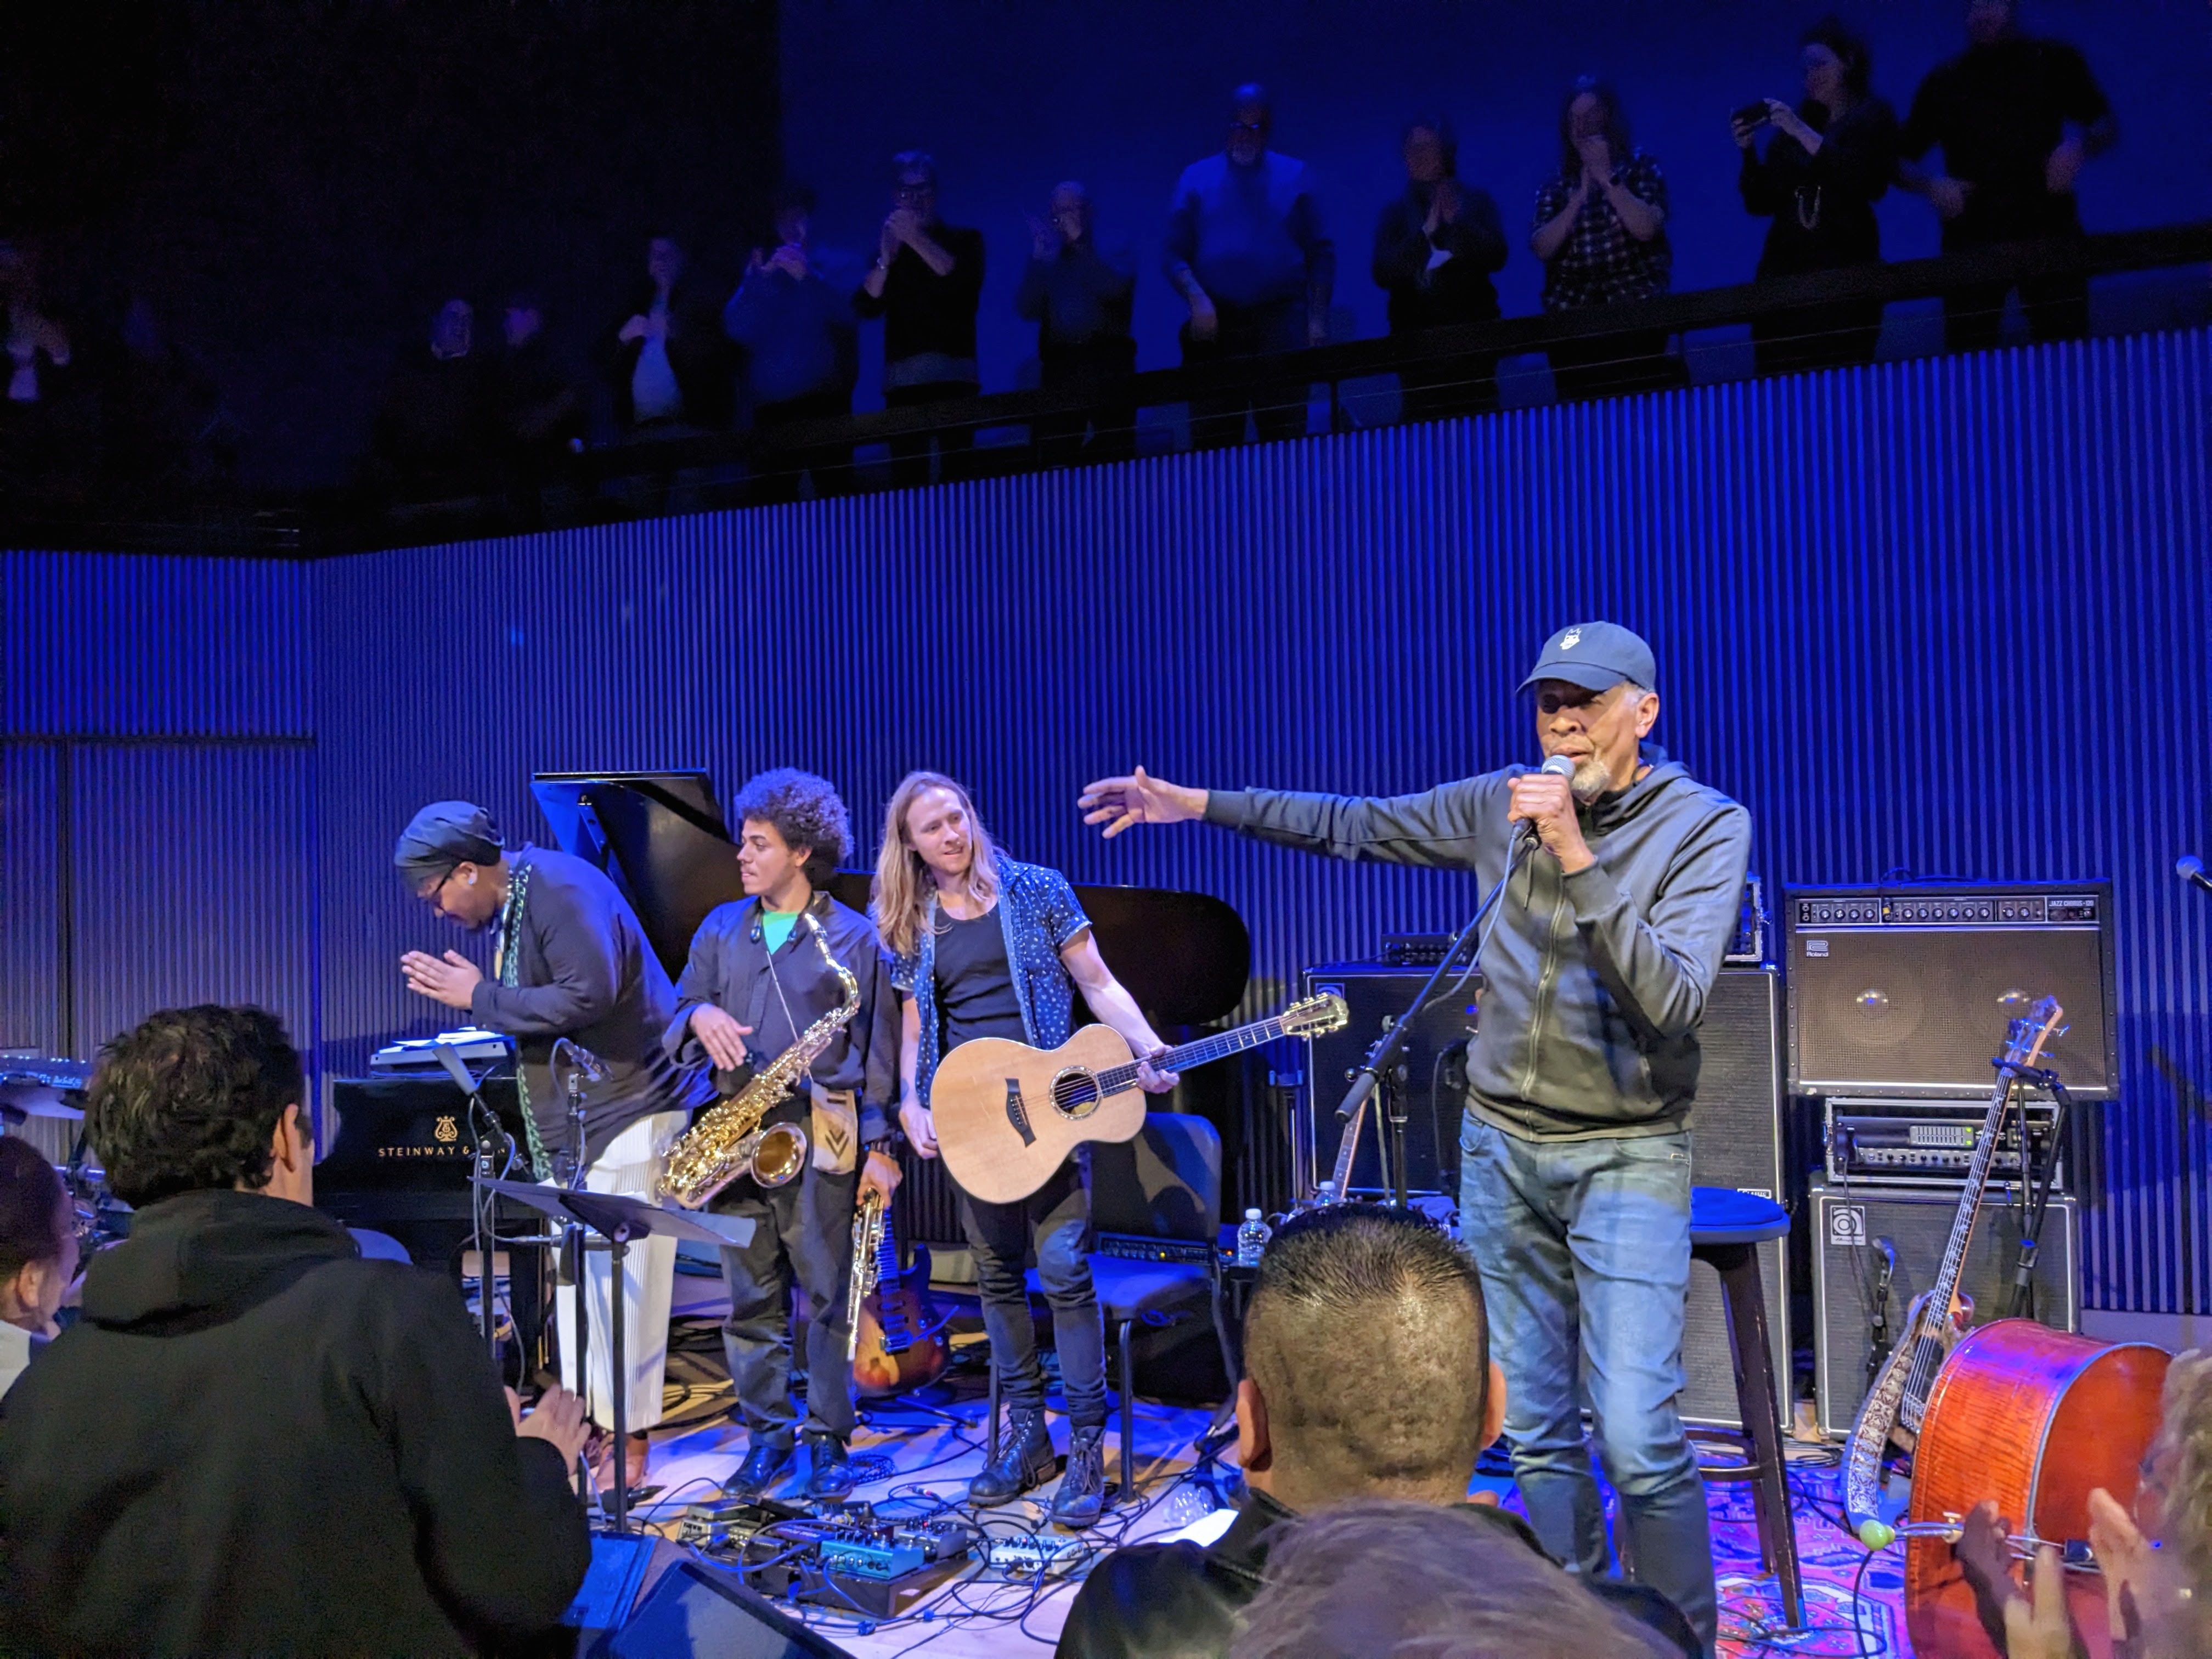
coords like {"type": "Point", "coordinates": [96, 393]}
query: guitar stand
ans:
{"type": "Point", "coordinates": [2035, 1190]}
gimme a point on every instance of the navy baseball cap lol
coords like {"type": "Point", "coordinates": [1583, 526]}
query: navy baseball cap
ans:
{"type": "Point", "coordinates": [1597, 656]}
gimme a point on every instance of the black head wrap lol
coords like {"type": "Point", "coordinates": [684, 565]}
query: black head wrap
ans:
{"type": "Point", "coordinates": [442, 835]}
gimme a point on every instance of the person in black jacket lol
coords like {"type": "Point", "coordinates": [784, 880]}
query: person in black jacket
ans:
{"type": "Point", "coordinates": [574, 962]}
{"type": "Point", "coordinates": [1367, 1375]}
{"type": "Point", "coordinates": [926, 284]}
{"type": "Point", "coordinates": [254, 1441]}
{"type": "Point", "coordinates": [2016, 118]}
{"type": "Point", "coordinates": [1436, 247]}
{"type": "Point", "coordinates": [1830, 161]}
{"type": "Point", "coordinates": [667, 362]}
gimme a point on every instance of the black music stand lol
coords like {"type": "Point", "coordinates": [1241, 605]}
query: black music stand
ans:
{"type": "Point", "coordinates": [618, 1220]}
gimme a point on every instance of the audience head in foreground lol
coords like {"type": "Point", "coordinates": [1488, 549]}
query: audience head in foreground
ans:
{"type": "Point", "coordinates": [1367, 1362]}
{"type": "Point", "coordinates": [1380, 1578]}
{"type": "Point", "coordinates": [254, 1441]}
{"type": "Point", "coordinates": [1369, 1378]}
{"type": "Point", "coordinates": [38, 1238]}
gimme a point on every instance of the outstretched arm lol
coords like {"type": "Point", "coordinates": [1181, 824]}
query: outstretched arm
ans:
{"type": "Point", "coordinates": [1444, 826]}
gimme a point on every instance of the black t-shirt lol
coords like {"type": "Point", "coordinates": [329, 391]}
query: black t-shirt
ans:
{"type": "Point", "coordinates": [974, 987]}
{"type": "Point", "coordinates": [1998, 111]}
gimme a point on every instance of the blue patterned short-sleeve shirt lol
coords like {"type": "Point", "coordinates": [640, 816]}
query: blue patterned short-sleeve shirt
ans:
{"type": "Point", "coordinates": [1040, 916]}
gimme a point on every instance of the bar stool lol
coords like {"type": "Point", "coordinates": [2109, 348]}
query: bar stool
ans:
{"type": "Point", "coordinates": [1727, 1227]}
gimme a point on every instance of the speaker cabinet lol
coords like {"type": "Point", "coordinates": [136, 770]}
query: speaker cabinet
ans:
{"type": "Point", "coordinates": [1378, 996]}
{"type": "Point", "coordinates": [1735, 1140]}
{"type": "Point", "coordinates": [1850, 1226]}
{"type": "Point", "coordinates": [1907, 992]}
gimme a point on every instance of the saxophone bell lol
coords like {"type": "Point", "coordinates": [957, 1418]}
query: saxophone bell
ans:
{"type": "Point", "coordinates": [775, 1156]}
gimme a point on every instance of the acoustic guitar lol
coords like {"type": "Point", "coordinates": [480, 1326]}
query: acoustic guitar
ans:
{"type": "Point", "coordinates": [1008, 1116]}
{"type": "Point", "coordinates": [900, 1341]}
{"type": "Point", "coordinates": [1895, 1406]}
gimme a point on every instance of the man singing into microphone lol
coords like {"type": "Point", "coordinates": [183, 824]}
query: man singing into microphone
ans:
{"type": "Point", "coordinates": [1575, 1152]}
{"type": "Point", "coordinates": [571, 960]}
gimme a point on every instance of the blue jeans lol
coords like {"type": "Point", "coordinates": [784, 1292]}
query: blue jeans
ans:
{"type": "Point", "coordinates": [1584, 1251]}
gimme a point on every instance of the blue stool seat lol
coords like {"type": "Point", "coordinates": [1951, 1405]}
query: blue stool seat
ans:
{"type": "Point", "coordinates": [1724, 1215]}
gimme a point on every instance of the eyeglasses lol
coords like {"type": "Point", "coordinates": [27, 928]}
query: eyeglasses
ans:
{"type": "Point", "coordinates": [913, 193]}
{"type": "Point", "coordinates": [1255, 128]}
{"type": "Point", "coordinates": [434, 897]}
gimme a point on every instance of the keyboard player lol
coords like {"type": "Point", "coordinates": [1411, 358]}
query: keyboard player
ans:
{"type": "Point", "coordinates": [570, 960]}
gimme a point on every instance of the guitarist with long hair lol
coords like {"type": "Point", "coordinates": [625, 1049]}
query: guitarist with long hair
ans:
{"type": "Point", "coordinates": [982, 946]}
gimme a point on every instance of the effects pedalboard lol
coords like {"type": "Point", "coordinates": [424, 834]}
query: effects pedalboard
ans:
{"type": "Point", "coordinates": [848, 1560]}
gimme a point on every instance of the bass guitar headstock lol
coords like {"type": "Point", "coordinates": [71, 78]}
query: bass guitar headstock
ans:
{"type": "Point", "coordinates": [2027, 1036]}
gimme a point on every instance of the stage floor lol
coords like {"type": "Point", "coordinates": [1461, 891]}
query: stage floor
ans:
{"type": "Point", "coordinates": [919, 1451]}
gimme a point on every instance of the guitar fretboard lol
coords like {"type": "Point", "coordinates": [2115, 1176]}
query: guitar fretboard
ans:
{"type": "Point", "coordinates": [1203, 1052]}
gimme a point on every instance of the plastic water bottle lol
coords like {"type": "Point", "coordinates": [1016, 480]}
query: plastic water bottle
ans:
{"type": "Point", "coordinates": [1251, 1239]}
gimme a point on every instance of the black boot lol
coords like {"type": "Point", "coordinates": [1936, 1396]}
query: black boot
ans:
{"type": "Point", "coordinates": [1082, 1494]}
{"type": "Point", "coordinates": [757, 1473]}
{"type": "Point", "coordinates": [829, 1469]}
{"type": "Point", "coordinates": [1025, 1457]}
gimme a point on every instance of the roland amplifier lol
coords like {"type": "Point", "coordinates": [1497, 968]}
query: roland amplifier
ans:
{"type": "Point", "coordinates": [1905, 991]}
{"type": "Point", "coordinates": [1857, 1232]}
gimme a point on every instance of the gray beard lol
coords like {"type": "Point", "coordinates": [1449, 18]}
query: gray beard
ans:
{"type": "Point", "coordinates": [1590, 781]}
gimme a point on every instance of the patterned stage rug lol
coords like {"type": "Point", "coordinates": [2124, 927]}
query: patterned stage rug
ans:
{"type": "Point", "coordinates": [916, 1455]}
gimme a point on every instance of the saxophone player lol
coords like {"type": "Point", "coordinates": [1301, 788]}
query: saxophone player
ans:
{"type": "Point", "coordinates": [763, 971]}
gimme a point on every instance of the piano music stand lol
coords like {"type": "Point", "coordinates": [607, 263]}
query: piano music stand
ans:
{"type": "Point", "coordinates": [618, 1220]}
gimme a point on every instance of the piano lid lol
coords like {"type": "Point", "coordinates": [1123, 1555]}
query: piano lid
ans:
{"type": "Point", "coordinates": [1185, 957]}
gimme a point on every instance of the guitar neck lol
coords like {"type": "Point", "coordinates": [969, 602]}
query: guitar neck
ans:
{"type": "Point", "coordinates": [1203, 1052]}
{"type": "Point", "coordinates": [1970, 1201]}
{"type": "Point", "coordinates": [1347, 1149]}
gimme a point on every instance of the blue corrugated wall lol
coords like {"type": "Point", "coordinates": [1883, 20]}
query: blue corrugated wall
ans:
{"type": "Point", "coordinates": [1949, 615]}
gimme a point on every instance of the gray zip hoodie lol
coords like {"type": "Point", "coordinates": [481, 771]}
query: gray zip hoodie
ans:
{"type": "Point", "coordinates": [1595, 983]}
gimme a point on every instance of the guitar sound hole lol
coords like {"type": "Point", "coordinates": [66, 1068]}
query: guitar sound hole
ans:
{"type": "Point", "coordinates": [1075, 1093]}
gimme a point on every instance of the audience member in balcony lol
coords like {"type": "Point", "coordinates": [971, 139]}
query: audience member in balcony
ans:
{"type": "Point", "coordinates": [1600, 231]}
{"type": "Point", "coordinates": [1079, 295]}
{"type": "Point", "coordinates": [538, 401]}
{"type": "Point", "coordinates": [2016, 117]}
{"type": "Point", "coordinates": [926, 284]}
{"type": "Point", "coordinates": [1829, 161]}
{"type": "Point", "coordinates": [37, 344]}
{"type": "Point", "coordinates": [38, 1252]}
{"type": "Point", "coordinates": [42, 421]}
{"type": "Point", "coordinates": [1436, 247]}
{"type": "Point", "coordinates": [436, 421]}
{"type": "Point", "coordinates": [792, 314]}
{"type": "Point", "coordinates": [1247, 252]}
{"type": "Point", "coordinates": [668, 360]}
{"type": "Point", "coordinates": [163, 416]}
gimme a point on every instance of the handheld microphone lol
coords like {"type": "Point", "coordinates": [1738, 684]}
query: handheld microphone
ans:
{"type": "Point", "coordinates": [1559, 766]}
{"type": "Point", "coordinates": [2190, 869]}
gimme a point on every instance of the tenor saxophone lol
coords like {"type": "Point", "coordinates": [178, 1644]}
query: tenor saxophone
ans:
{"type": "Point", "coordinates": [727, 1142]}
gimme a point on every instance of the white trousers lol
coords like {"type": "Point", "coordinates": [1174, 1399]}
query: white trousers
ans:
{"type": "Point", "coordinates": [630, 1165]}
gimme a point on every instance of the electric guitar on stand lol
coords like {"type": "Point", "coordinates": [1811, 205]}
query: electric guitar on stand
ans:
{"type": "Point", "coordinates": [895, 1339]}
{"type": "Point", "coordinates": [1895, 1406]}
{"type": "Point", "coordinates": [1007, 1115]}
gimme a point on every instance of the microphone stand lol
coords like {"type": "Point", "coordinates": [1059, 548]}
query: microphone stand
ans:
{"type": "Point", "coordinates": [573, 1247]}
{"type": "Point", "coordinates": [1384, 1060]}
{"type": "Point", "coordinates": [472, 1087]}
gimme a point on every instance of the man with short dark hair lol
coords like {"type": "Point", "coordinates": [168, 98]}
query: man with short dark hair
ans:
{"type": "Point", "coordinates": [764, 971]}
{"type": "Point", "coordinates": [1367, 1375]}
{"type": "Point", "coordinates": [1626, 876]}
{"type": "Point", "coordinates": [254, 1441]}
{"type": "Point", "coordinates": [1245, 250]}
{"type": "Point", "coordinates": [572, 961]}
